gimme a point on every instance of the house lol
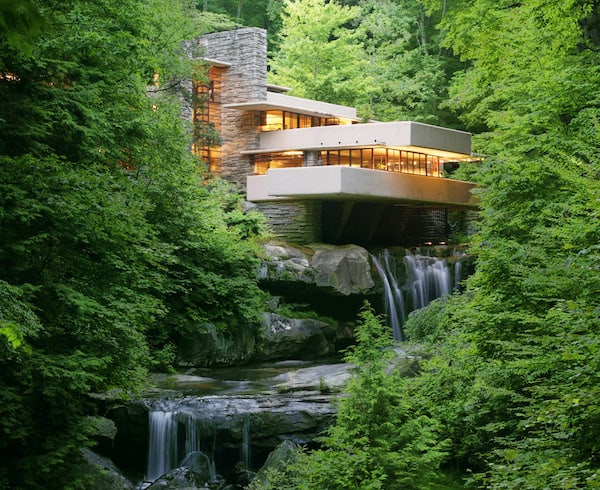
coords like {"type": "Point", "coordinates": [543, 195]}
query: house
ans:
{"type": "Point", "coordinates": [311, 167]}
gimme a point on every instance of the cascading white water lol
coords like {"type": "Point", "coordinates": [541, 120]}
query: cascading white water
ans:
{"type": "Point", "coordinates": [163, 444]}
{"type": "Point", "coordinates": [457, 274]}
{"type": "Point", "coordinates": [162, 451]}
{"type": "Point", "coordinates": [245, 449]}
{"type": "Point", "coordinates": [393, 299]}
{"type": "Point", "coordinates": [427, 278]}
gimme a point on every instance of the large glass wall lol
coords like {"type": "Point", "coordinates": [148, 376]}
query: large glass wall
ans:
{"type": "Point", "coordinates": [277, 160]}
{"type": "Point", "coordinates": [277, 120]}
{"type": "Point", "coordinates": [390, 159]}
{"type": "Point", "coordinates": [375, 158]}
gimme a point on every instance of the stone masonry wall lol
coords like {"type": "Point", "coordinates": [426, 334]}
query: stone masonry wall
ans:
{"type": "Point", "coordinates": [246, 80]}
{"type": "Point", "coordinates": [294, 221]}
{"type": "Point", "coordinates": [312, 158]}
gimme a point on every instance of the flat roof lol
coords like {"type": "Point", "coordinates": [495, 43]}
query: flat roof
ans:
{"type": "Point", "coordinates": [279, 101]}
{"type": "Point", "coordinates": [277, 88]}
{"type": "Point", "coordinates": [217, 63]}
{"type": "Point", "coordinates": [405, 135]}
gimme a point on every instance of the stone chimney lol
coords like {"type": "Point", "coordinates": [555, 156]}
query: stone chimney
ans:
{"type": "Point", "coordinates": [244, 80]}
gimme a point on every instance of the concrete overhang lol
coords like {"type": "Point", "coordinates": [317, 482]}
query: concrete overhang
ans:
{"type": "Point", "coordinates": [277, 88]}
{"type": "Point", "coordinates": [283, 102]}
{"type": "Point", "coordinates": [359, 184]}
{"type": "Point", "coordinates": [405, 135]}
{"type": "Point", "coordinates": [216, 63]}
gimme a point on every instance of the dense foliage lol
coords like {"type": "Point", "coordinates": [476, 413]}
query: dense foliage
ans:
{"type": "Point", "coordinates": [382, 57]}
{"type": "Point", "coordinates": [113, 243]}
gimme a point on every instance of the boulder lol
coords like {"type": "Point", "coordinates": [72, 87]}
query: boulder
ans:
{"type": "Point", "coordinates": [213, 348]}
{"type": "Point", "coordinates": [286, 452]}
{"type": "Point", "coordinates": [345, 269]}
{"type": "Point", "coordinates": [325, 378]}
{"type": "Point", "coordinates": [291, 338]}
{"type": "Point", "coordinates": [102, 472]}
{"type": "Point", "coordinates": [342, 270]}
{"type": "Point", "coordinates": [287, 262]}
{"type": "Point", "coordinates": [180, 478]}
{"type": "Point", "coordinates": [200, 464]}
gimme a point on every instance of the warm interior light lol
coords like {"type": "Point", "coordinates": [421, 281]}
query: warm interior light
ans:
{"type": "Point", "coordinates": [9, 76]}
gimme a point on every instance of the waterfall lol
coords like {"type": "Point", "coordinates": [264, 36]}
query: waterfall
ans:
{"type": "Point", "coordinates": [457, 274]}
{"type": "Point", "coordinates": [163, 444]}
{"type": "Point", "coordinates": [427, 278]}
{"type": "Point", "coordinates": [393, 298]}
{"type": "Point", "coordinates": [162, 450]}
{"type": "Point", "coordinates": [245, 449]}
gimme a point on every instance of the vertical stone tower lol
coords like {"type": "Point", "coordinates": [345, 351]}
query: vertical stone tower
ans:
{"type": "Point", "coordinates": [240, 56]}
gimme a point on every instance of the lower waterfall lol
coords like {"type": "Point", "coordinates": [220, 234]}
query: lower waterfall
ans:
{"type": "Point", "coordinates": [162, 449]}
{"type": "Point", "coordinates": [226, 438]}
{"type": "Point", "coordinates": [425, 279]}
{"type": "Point", "coordinates": [165, 449]}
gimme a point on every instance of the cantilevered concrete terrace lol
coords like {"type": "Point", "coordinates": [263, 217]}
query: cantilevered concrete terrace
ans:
{"type": "Point", "coordinates": [356, 184]}
{"type": "Point", "coordinates": [284, 102]}
{"type": "Point", "coordinates": [399, 162]}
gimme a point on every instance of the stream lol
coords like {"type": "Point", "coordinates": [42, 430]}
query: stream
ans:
{"type": "Point", "coordinates": [225, 422]}
{"type": "Point", "coordinates": [222, 423]}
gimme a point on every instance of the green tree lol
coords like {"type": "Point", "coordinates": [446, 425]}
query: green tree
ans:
{"type": "Point", "coordinates": [529, 323]}
{"type": "Point", "coordinates": [382, 57]}
{"type": "Point", "coordinates": [106, 229]}
{"type": "Point", "coordinates": [320, 55]}
{"type": "Point", "coordinates": [247, 13]}
{"type": "Point", "coordinates": [533, 66]}
{"type": "Point", "coordinates": [409, 69]}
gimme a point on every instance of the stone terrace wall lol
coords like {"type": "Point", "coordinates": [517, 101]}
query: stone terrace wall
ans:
{"type": "Point", "coordinates": [294, 221]}
{"type": "Point", "coordinates": [246, 80]}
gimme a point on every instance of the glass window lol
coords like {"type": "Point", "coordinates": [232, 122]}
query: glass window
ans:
{"type": "Point", "coordinates": [377, 158]}
{"type": "Point", "coordinates": [271, 120]}
{"type": "Point", "coordinates": [366, 158]}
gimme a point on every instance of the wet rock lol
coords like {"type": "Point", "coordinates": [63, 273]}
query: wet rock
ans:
{"type": "Point", "coordinates": [180, 478]}
{"type": "Point", "coordinates": [345, 269]}
{"type": "Point", "coordinates": [285, 338]}
{"type": "Point", "coordinates": [325, 378]}
{"type": "Point", "coordinates": [287, 262]}
{"type": "Point", "coordinates": [103, 473]}
{"type": "Point", "coordinates": [200, 464]}
{"type": "Point", "coordinates": [342, 270]}
{"type": "Point", "coordinates": [286, 452]}
{"type": "Point", "coordinates": [265, 419]}
{"type": "Point", "coordinates": [213, 348]}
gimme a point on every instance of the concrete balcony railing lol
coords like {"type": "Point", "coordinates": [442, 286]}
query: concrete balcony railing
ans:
{"type": "Point", "coordinates": [359, 184]}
